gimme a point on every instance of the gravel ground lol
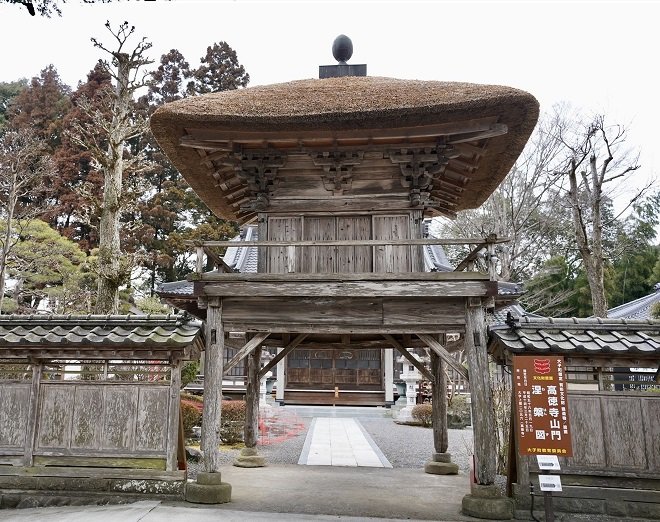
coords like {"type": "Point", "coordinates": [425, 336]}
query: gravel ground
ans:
{"type": "Point", "coordinates": [412, 446]}
{"type": "Point", "coordinates": [404, 446]}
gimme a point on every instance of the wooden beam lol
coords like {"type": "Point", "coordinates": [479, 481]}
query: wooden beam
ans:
{"type": "Point", "coordinates": [251, 427]}
{"type": "Point", "coordinates": [439, 404]}
{"type": "Point", "coordinates": [481, 395]}
{"type": "Point", "coordinates": [33, 413]}
{"type": "Point", "coordinates": [266, 277]}
{"type": "Point", "coordinates": [497, 129]}
{"type": "Point", "coordinates": [285, 351]}
{"type": "Point", "coordinates": [353, 289]}
{"type": "Point", "coordinates": [249, 346]}
{"type": "Point", "coordinates": [350, 242]}
{"type": "Point", "coordinates": [218, 261]}
{"type": "Point", "coordinates": [211, 411]}
{"type": "Point", "coordinates": [402, 350]}
{"type": "Point", "coordinates": [471, 257]}
{"type": "Point", "coordinates": [173, 417]}
{"type": "Point", "coordinates": [474, 129]}
{"type": "Point", "coordinates": [444, 354]}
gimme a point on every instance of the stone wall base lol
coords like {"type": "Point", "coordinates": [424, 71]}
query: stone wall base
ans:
{"type": "Point", "coordinates": [43, 486]}
{"type": "Point", "coordinates": [209, 489]}
{"type": "Point", "coordinates": [487, 502]}
{"type": "Point", "coordinates": [606, 503]}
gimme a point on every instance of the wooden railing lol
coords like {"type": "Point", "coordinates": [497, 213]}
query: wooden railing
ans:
{"type": "Point", "coordinates": [485, 248]}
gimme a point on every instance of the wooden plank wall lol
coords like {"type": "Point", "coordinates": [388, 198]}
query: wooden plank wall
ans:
{"type": "Point", "coordinates": [614, 436]}
{"type": "Point", "coordinates": [352, 259]}
{"type": "Point", "coordinates": [615, 432]}
{"type": "Point", "coordinates": [102, 419]}
{"type": "Point", "coordinates": [14, 412]}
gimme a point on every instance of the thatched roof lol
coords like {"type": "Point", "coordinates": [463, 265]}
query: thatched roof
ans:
{"type": "Point", "coordinates": [311, 112]}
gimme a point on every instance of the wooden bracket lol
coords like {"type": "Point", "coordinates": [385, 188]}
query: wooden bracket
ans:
{"type": "Point", "coordinates": [338, 168]}
{"type": "Point", "coordinates": [243, 352]}
{"type": "Point", "coordinates": [444, 354]}
{"type": "Point", "coordinates": [258, 169]}
{"type": "Point", "coordinates": [402, 350]}
{"type": "Point", "coordinates": [286, 351]}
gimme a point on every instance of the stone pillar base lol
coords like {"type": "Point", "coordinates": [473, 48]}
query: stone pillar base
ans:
{"type": "Point", "coordinates": [209, 489]}
{"type": "Point", "coordinates": [441, 464]}
{"type": "Point", "coordinates": [487, 502]}
{"type": "Point", "coordinates": [249, 459]}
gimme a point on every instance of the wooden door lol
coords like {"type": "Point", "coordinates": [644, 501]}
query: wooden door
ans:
{"type": "Point", "coordinates": [282, 260]}
{"type": "Point", "coordinates": [392, 258]}
{"type": "Point", "coordinates": [345, 368]}
{"type": "Point", "coordinates": [319, 259]}
{"type": "Point", "coordinates": [354, 259]}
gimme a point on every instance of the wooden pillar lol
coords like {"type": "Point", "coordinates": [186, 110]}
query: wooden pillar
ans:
{"type": "Point", "coordinates": [173, 417]}
{"type": "Point", "coordinates": [33, 413]}
{"type": "Point", "coordinates": [480, 391]}
{"type": "Point", "coordinates": [439, 402]}
{"type": "Point", "coordinates": [251, 429]}
{"type": "Point", "coordinates": [281, 378]}
{"type": "Point", "coordinates": [213, 362]}
{"type": "Point", "coordinates": [388, 363]}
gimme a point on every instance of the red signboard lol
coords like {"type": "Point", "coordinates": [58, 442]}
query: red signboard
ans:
{"type": "Point", "coordinates": [539, 385]}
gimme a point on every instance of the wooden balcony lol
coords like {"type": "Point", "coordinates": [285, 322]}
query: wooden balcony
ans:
{"type": "Point", "coordinates": [385, 302]}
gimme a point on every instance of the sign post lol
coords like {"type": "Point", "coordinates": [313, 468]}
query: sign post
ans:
{"type": "Point", "coordinates": [542, 427]}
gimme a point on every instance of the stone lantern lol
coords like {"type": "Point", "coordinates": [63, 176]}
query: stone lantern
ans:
{"type": "Point", "coordinates": [411, 376]}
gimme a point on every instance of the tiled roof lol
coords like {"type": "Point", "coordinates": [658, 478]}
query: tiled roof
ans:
{"type": "Point", "coordinates": [244, 259]}
{"type": "Point", "coordinates": [637, 309]}
{"type": "Point", "coordinates": [499, 316]}
{"type": "Point", "coordinates": [579, 336]}
{"type": "Point", "coordinates": [175, 288]}
{"type": "Point", "coordinates": [79, 334]}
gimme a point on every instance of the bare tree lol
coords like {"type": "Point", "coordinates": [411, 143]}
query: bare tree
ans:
{"type": "Point", "coordinates": [521, 208]}
{"type": "Point", "coordinates": [24, 168]}
{"type": "Point", "coordinates": [112, 123]}
{"type": "Point", "coordinates": [596, 157]}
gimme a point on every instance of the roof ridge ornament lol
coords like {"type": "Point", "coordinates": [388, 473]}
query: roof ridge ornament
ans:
{"type": "Point", "coordinates": [342, 50]}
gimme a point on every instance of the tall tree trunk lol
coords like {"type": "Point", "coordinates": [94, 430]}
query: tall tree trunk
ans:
{"type": "Point", "coordinates": [110, 269]}
{"type": "Point", "coordinates": [6, 244]}
{"type": "Point", "coordinates": [591, 252]}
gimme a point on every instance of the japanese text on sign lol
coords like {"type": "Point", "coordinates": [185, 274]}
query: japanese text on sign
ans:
{"type": "Point", "coordinates": [541, 406]}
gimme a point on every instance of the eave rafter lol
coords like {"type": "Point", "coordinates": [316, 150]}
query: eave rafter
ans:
{"type": "Point", "coordinates": [436, 162]}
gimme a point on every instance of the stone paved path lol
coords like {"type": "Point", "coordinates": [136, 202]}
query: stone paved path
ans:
{"type": "Point", "coordinates": [340, 442]}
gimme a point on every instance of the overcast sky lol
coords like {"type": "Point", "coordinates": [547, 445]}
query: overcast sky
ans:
{"type": "Point", "coordinates": [600, 56]}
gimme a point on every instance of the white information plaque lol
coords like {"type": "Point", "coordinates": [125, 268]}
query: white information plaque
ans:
{"type": "Point", "coordinates": [550, 482]}
{"type": "Point", "coordinates": [548, 462]}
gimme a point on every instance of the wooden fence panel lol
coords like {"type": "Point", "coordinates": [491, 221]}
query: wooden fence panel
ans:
{"type": "Point", "coordinates": [87, 419]}
{"type": "Point", "coordinates": [87, 427]}
{"type": "Point", "coordinates": [586, 432]}
{"type": "Point", "coordinates": [14, 410]}
{"type": "Point", "coordinates": [624, 433]}
{"type": "Point", "coordinates": [152, 414]}
{"type": "Point", "coordinates": [55, 415]}
{"type": "Point", "coordinates": [613, 432]}
{"type": "Point", "coordinates": [651, 418]}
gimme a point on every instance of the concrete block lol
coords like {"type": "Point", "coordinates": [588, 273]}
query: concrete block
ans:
{"type": "Point", "coordinates": [616, 508]}
{"type": "Point", "coordinates": [485, 491]}
{"type": "Point", "coordinates": [644, 510]}
{"type": "Point", "coordinates": [209, 479]}
{"type": "Point", "coordinates": [442, 457]}
{"type": "Point", "coordinates": [250, 461]}
{"type": "Point", "coordinates": [489, 508]}
{"type": "Point", "coordinates": [208, 494]}
{"type": "Point", "coordinates": [575, 505]}
{"type": "Point", "coordinates": [441, 468]}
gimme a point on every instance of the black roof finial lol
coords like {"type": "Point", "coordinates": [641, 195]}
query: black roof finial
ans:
{"type": "Point", "coordinates": [342, 50]}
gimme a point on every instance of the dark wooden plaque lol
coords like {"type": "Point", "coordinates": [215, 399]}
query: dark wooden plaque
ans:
{"type": "Point", "coordinates": [541, 401]}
